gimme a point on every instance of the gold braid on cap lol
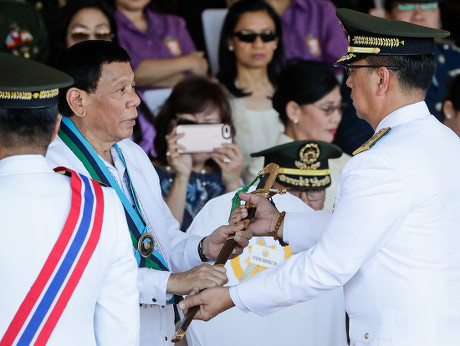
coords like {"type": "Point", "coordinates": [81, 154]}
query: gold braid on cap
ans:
{"type": "Point", "coordinates": [294, 171]}
{"type": "Point", "coordinates": [373, 41]}
{"type": "Point", "coordinates": [28, 95]}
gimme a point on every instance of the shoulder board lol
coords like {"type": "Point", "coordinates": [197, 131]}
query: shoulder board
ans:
{"type": "Point", "coordinates": [372, 140]}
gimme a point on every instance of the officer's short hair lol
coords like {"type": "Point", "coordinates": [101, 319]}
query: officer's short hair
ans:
{"type": "Point", "coordinates": [83, 62]}
{"type": "Point", "coordinates": [414, 71]}
{"type": "Point", "coordinates": [27, 127]}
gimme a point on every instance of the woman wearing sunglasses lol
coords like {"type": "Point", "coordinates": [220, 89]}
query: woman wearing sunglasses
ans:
{"type": "Point", "coordinates": [83, 20]}
{"type": "Point", "coordinates": [189, 180]}
{"type": "Point", "coordinates": [250, 58]}
{"type": "Point", "coordinates": [310, 106]}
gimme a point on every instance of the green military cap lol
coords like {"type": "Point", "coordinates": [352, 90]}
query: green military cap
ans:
{"type": "Point", "coordinates": [26, 83]}
{"type": "Point", "coordinates": [370, 35]}
{"type": "Point", "coordinates": [303, 164]}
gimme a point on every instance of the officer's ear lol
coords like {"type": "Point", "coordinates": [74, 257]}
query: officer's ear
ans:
{"type": "Point", "coordinates": [74, 97]}
{"type": "Point", "coordinates": [56, 127]}
{"type": "Point", "coordinates": [383, 75]}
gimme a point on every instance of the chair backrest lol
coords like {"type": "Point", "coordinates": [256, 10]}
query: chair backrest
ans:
{"type": "Point", "coordinates": [155, 98]}
{"type": "Point", "coordinates": [213, 19]}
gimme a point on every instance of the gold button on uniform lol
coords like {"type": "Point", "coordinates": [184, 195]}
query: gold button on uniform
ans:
{"type": "Point", "coordinates": [367, 335]}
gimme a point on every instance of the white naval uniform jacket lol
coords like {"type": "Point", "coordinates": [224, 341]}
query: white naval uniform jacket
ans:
{"type": "Point", "coordinates": [393, 241]}
{"type": "Point", "coordinates": [320, 321]}
{"type": "Point", "coordinates": [34, 206]}
{"type": "Point", "coordinates": [178, 248]}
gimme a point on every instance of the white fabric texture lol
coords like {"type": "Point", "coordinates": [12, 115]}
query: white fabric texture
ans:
{"type": "Point", "coordinates": [255, 130]}
{"type": "Point", "coordinates": [34, 206]}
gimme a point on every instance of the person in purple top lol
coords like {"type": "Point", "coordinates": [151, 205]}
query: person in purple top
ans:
{"type": "Point", "coordinates": [311, 30]}
{"type": "Point", "coordinates": [161, 49]}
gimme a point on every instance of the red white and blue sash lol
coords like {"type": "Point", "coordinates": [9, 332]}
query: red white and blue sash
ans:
{"type": "Point", "coordinates": [47, 298]}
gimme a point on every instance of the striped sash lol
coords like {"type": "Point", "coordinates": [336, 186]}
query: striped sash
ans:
{"type": "Point", "coordinates": [78, 144]}
{"type": "Point", "coordinates": [47, 298]}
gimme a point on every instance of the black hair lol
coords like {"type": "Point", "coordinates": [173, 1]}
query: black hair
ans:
{"type": "Point", "coordinates": [453, 92]}
{"type": "Point", "coordinates": [30, 127]}
{"type": "Point", "coordinates": [304, 82]}
{"type": "Point", "coordinates": [66, 15]}
{"type": "Point", "coordinates": [414, 71]}
{"type": "Point", "coordinates": [227, 61]}
{"type": "Point", "coordinates": [83, 62]}
{"type": "Point", "coordinates": [190, 96]}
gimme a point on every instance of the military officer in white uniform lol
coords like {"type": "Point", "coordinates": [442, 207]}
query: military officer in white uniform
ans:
{"type": "Point", "coordinates": [392, 240]}
{"type": "Point", "coordinates": [96, 301]}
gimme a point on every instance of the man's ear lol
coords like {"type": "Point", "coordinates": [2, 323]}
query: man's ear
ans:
{"type": "Point", "coordinates": [74, 97]}
{"type": "Point", "coordinates": [383, 80]}
{"type": "Point", "coordinates": [56, 127]}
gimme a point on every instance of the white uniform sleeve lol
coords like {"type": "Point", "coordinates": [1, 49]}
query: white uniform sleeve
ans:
{"type": "Point", "coordinates": [358, 229]}
{"type": "Point", "coordinates": [116, 318]}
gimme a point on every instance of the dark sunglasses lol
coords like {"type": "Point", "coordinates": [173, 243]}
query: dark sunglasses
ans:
{"type": "Point", "coordinates": [81, 36]}
{"type": "Point", "coordinates": [250, 36]}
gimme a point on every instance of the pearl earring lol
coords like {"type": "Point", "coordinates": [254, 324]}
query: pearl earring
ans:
{"type": "Point", "coordinates": [230, 48]}
{"type": "Point", "coordinates": [448, 116]}
{"type": "Point", "coordinates": [295, 121]}
{"type": "Point", "coordinates": [274, 47]}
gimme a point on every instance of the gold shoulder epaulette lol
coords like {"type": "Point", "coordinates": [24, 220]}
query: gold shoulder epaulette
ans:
{"type": "Point", "coordinates": [372, 140]}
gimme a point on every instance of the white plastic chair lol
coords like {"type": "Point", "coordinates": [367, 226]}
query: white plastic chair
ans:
{"type": "Point", "coordinates": [213, 19]}
{"type": "Point", "coordinates": [155, 98]}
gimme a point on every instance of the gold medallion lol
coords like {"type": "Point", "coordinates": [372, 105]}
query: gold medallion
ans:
{"type": "Point", "coordinates": [146, 245]}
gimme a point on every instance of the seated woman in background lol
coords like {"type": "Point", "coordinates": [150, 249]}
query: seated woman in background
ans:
{"type": "Point", "coordinates": [451, 105]}
{"type": "Point", "coordinates": [309, 104]}
{"type": "Point", "coordinates": [161, 49]}
{"type": "Point", "coordinates": [188, 181]}
{"type": "Point", "coordinates": [83, 20]}
{"type": "Point", "coordinates": [250, 58]}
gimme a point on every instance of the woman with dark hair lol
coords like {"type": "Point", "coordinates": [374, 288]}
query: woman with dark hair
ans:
{"type": "Point", "coordinates": [83, 20]}
{"type": "Point", "coordinates": [250, 59]}
{"type": "Point", "coordinates": [310, 106]}
{"type": "Point", "coordinates": [189, 180]}
{"type": "Point", "coordinates": [451, 105]}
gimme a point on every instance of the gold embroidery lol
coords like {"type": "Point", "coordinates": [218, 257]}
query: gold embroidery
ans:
{"type": "Point", "coordinates": [370, 142]}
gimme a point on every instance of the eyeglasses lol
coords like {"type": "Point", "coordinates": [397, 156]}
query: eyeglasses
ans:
{"type": "Point", "coordinates": [411, 7]}
{"type": "Point", "coordinates": [84, 35]}
{"type": "Point", "coordinates": [250, 36]}
{"type": "Point", "coordinates": [349, 68]}
{"type": "Point", "coordinates": [330, 109]}
{"type": "Point", "coordinates": [312, 195]}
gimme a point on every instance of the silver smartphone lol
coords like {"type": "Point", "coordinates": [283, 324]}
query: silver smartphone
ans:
{"type": "Point", "coordinates": [203, 138]}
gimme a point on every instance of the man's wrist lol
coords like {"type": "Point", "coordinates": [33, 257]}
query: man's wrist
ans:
{"type": "Point", "coordinates": [200, 251]}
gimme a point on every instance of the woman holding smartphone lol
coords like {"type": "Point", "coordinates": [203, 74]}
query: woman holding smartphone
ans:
{"type": "Point", "coordinates": [189, 180]}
